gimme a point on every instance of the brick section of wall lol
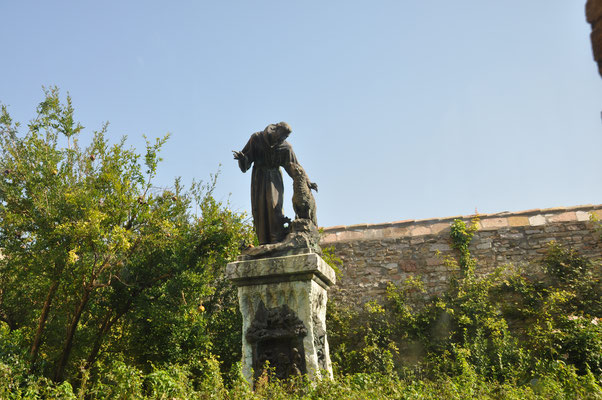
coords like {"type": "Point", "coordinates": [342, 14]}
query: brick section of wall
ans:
{"type": "Point", "coordinates": [376, 254]}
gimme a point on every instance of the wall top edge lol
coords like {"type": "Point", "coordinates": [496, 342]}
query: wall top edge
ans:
{"type": "Point", "coordinates": [533, 217]}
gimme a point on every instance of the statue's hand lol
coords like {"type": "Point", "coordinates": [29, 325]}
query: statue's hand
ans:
{"type": "Point", "coordinates": [313, 186]}
{"type": "Point", "coordinates": [238, 155]}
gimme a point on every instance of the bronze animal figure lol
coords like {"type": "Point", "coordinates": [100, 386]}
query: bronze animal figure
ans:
{"type": "Point", "coordinates": [304, 203]}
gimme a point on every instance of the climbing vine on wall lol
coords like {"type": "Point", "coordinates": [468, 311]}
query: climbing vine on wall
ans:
{"type": "Point", "coordinates": [512, 325]}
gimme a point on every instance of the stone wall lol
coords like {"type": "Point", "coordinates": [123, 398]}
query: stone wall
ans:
{"type": "Point", "coordinates": [376, 254]}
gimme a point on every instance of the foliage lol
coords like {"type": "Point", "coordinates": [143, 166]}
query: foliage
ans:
{"type": "Point", "coordinates": [97, 263]}
{"type": "Point", "coordinates": [461, 235]}
{"type": "Point", "coordinates": [332, 260]}
{"type": "Point", "coordinates": [119, 381]}
{"type": "Point", "coordinates": [508, 326]}
{"type": "Point", "coordinates": [597, 223]}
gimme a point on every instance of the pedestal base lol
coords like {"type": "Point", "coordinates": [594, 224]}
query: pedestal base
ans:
{"type": "Point", "coordinates": [283, 304]}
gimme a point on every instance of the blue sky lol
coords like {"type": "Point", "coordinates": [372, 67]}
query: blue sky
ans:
{"type": "Point", "coordinates": [400, 110]}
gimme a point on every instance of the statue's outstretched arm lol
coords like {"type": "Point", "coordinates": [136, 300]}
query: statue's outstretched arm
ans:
{"type": "Point", "coordinates": [244, 156]}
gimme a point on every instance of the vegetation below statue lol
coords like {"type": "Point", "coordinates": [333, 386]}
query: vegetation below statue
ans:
{"type": "Point", "coordinates": [510, 326]}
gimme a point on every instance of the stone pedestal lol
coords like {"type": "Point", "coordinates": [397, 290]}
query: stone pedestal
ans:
{"type": "Point", "coordinates": [283, 304]}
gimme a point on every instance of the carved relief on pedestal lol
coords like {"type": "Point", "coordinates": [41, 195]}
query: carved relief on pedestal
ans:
{"type": "Point", "coordinates": [276, 336]}
{"type": "Point", "coordinates": [319, 342]}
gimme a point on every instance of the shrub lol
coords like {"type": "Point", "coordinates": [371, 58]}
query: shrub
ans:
{"type": "Point", "coordinates": [500, 326]}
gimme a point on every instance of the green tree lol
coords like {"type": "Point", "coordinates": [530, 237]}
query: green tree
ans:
{"type": "Point", "coordinates": [92, 252]}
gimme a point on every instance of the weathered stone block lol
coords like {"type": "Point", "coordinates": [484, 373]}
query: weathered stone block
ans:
{"type": "Point", "coordinates": [420, 230]}
{"type": "Point", "coordinates": [564, 217]}
{"type": "Point", "coordinates": [438, 228]}
{"type": "Point", "coordinates": [518, 221]}
{"type": "Point", "coordinates": [513, 236]}
{"type": "Point", "coordinates": [394, 232]}
{"type": "Point", "coordinates": [371, 234]}
{"type": "Point", "coordinates": [290, 288]}
{"type": "Point", "coordinates": [408, 266]}
{"type": "Point", "coordinates": [329, 238]}
{"type": "Point", "coordinates": [349, 235]}
{"type": "Point", "coordinates": [484, 245]}
{"type": "Point", "coordinates": [440, 247]}
{"type": "Point", "coordinates": [433, 261]}
{"type": "Point", "coordinates": [537, 220]}
{"type": "Point", "coordinates": [494, 223]}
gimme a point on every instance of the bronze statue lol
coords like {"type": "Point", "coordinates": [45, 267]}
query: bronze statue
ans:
{"type": "Point", "coordinates": [268, 150]}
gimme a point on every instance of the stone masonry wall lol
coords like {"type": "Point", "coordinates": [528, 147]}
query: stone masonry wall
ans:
{"type": "Point", "coordinates": [376, 254]}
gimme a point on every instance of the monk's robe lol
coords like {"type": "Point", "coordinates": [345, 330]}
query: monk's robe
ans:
{"type": "Point", "coordinates": [267, 189]}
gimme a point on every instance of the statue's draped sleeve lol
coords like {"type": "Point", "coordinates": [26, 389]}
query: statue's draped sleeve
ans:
{"type": "Point", "coordinates": [249, 154]}
{"type": "Point", "coordinates": [288, 158]}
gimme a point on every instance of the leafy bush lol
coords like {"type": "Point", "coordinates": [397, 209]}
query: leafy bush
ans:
{"type": "Point", "coordinates": [503, 326]}
{"type": "Point", "coordinates": [97, 263]}
{"type": "Point", "coordinates": [121, 382]}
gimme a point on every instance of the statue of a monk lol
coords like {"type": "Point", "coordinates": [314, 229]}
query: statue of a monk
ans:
{"type": "Point", "coordinates": [268, 150]}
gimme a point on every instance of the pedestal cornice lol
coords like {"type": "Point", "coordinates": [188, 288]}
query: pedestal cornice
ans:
{"type": "Point", "coordinates": [302, 267]}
